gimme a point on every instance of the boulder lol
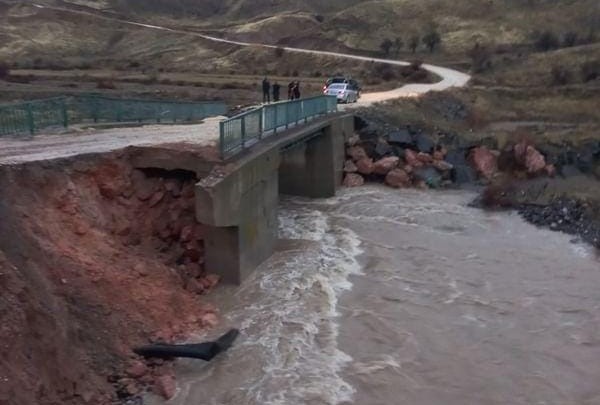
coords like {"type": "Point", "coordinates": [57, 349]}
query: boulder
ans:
{"type": "Point", "coordinates": [165, 386]}
{"type": "Point", "coordinates": [429, 175]}
{"type": "Point", "coordinates": [350, 167]}
{"type": "Point", "coordinates": [383, 149]}
{"type": "Point", "coordinates": [397, 178]}
{"type": "Point", "coordinates": [353, 180]}
{"type": "Point", "coordinates": [365, 166]}
{"type": "Point", "coordinates": [209, 320]}
{"type": "Point", "coordinates": [456, 157]}
{"type": "Point", "coordinates": [411, 158]}
{"type": "Point", "coordinates": [353, 140]}
{"type": "Point", "coordinates": [442, 165]}
{"type": "Point", "coordinates": [156, 198]}
{"type": "Point", "coordinates": [484, 161]}
{"type": "Point", "coordinates": [424, 157]}
{"type": "Point", "coordinates": [534, 160]}
{"type": "Point", "coordinates": [356, 153]}
{"type": "Point", "coordinates": [385, 165]}
{"type": "Point", "coordinates": [136, 369]}
{"type": "Point", "coordinates": [550, 170]}
{"type": "Point", "coordinates": [401, 138]}
{"type": "Point", "coordinates": [424, 143]}
{"type": "Point", "coordinates": [462, 174]}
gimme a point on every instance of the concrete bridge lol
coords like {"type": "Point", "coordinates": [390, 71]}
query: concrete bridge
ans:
{"type": "Point", "coordinates": [238, 201]}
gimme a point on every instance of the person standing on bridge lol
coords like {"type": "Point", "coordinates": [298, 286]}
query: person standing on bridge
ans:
{"type": "Point", "coordinates": [266, 86]}
{"type": "Point", "coordinates": [297, 90]}
{"type": "Point", "coordinates": [276, 89]}
{"type": "Point", "coordinates": [291, 91]}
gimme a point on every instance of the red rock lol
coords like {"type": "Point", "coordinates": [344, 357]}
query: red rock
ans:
{"type": "Point", "coordinates": [209, 320]}
{"type": "Point", "coordinates": [122, 227]}
{"type": "Point", "coordinates": [365, 166]}
{"type": "Point", "coordinates": [397, 178]}
{"type": "Point", "coordinates": [353, 140]}
{"type": "Point", "coordinates": [141, 269]}
{"type": "Point", "coordinates": [550, 170]}
{"type": "Point", "coordinates": [353, 180]}
{"type": "Point", "coordinates": [200, 232]}
{"type": "Point", "coordinates": [411, 158]}
{"type": "Point", "coordinates": [187, 233]}
{"type": "Point", "coordinates": [193, 270]}
{"type": "Point", "coordinates": [144, 189]}
{"type": "Point", "coordinates": [356, 153]}
{"type": "Point", "coordinates": [81, 228]}
{"type": "Point", "coordinates": [484, 161]}
{"type": "Point", "coordinates": [385, 165]}
{"type": "Point", "coordinates": [156, 198]}
{"type": "Point", "coordinates": [408, 169]}
{"type": "Point", "coordinates": [136, 369]}
{"type": "Point", "coordinates": [424, 157]}
{"type": "Point", "coordinates": [520, 151]}
{"type": "Point", "coordinates": [165, 386]}
{"type": "Point", "coordinates": [174, 187]}
{"type": "Point", "coordinates": [534, 160]}
{"type": "Point", "coordinates": [194, 286]}
{"type": "Point", "coordinates": [194, 254]}
{"type": "Point", "coordinates": [442, 165]}
{"type": "Point", "coordinates": [212, 280]}
{"type": "Point", "coordinates": [438, 155]}
{"type": "Point", "coordinates": [350, 167]}
{"type": "Point", "coordinates": [188, 190]}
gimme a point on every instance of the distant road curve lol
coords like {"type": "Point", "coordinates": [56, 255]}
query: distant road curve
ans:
{"type": "Point", "coordinates": [450, 77]}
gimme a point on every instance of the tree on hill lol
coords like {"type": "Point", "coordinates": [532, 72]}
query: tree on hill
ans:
{"type": "Point", "coordinates": [481, 58]}
{"type": "Point", "coordinates": [546, 41]}
{"type": "Point", "coordinates": [432, 39]}
{"type": "Point", "coordinates": [386, 46]}
{"type": "Point", "coordinates": [413, 43]}
{"type": "Point", "coordinates": [398, 45]}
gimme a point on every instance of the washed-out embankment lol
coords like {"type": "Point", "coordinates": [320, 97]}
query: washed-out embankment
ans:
{"type": "Point", "coordinates": [96, 256]}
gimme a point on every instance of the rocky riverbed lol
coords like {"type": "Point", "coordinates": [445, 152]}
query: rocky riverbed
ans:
{"type": "Point", "coordinates": [550, 185]}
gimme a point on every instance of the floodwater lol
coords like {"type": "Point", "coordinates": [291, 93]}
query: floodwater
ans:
{"type": "Point", "coordinates": [382, 296]}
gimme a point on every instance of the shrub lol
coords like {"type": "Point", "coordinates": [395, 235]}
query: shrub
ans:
{"type": "Point", "coordinates": [590, 71]}
{"type": "Point", "coordinates": [546, 41]}
{"type": "Point", "coordinates": [560, 75]}
{"type": "Point", "coordinates": [134, 64]}
{"type": "Point", "coordinates": [480, 58]}
{"type": "Point", "coordinates": [4, 70]}
{"type": "Point", "coordinates": [295, 73]}
{"type": "Point", "coordinates": [570, 39]}
{"type": "Point", "coordinates": [279, 51]}
{"type": "Point", "coordinates": [319, 18]}
{"type": "Point", "coordinates": [384, 71]}
{"type": "Point", "coordinates": [106, 84]}
{"type": "Point", "coordinates": [386, 46]}
{"type": "Point", "coordinates": [413, 43]}
{"type": "Point", "coordinates": [317, 74]}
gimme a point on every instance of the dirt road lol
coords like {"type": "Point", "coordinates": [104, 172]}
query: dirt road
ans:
{"type": "Point", "coordinates": [450, 77]}
{"type": "Point", "coordinates": [55, 146]}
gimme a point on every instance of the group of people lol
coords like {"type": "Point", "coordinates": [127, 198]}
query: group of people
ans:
{"type": "Point", "coordinates": [293, 90]}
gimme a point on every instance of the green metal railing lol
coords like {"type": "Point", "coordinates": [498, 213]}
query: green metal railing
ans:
{"type": "Point", "coordinates": [33, 116]}
{"type": "Point", "coordinates": [240, 131]}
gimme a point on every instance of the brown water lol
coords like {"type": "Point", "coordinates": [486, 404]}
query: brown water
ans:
{"type": "Point", "coordinates": [381, 296]}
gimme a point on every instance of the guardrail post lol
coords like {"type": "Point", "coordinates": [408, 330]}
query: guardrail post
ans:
{"type": "Point", "coordinates": [63, 109]}
{"type": "Point", "coordinates": [30, 123]}
{"type": "Point", "coordinates": [304, 112]}
{"type": "Point", "coordinates": [222, 138]}
{"type": "Point", "coordinates": [287, 115]}
{"type": "Point", "coordinates": [243, 127]}
{"type": "Point", "coordinates": [263, 110]}
{"type": "Point", "coordinates": [275, 120]}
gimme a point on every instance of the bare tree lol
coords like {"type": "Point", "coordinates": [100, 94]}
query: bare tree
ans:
{"type": "Point", "coordinates": [413, 42]}
{"type": "Point", "coordinates": [386, 46]}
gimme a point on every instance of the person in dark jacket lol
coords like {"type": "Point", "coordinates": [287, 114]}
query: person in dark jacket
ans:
{"type": "Point", "coordinates": [276, 89]}
{"type": "Point", "coordinates": [291, 91]}
{"type": "Point", "coordinates": [266, 86]}
{"type": "Point", "coordinates": [297, 90]}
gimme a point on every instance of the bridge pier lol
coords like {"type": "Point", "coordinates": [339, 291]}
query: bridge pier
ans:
{"type": "Point", "coordinates": [238, 202]}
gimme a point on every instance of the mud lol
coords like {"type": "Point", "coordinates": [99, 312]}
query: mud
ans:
{"type": "Point", "coordinates": [95, 257]}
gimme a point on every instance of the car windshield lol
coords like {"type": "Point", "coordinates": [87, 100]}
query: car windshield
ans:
{"type": "Point", "coordinates": [337, 86]}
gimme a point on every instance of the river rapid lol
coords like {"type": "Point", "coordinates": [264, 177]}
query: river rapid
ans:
{"type": "Point", "coordinates": [382, 296]}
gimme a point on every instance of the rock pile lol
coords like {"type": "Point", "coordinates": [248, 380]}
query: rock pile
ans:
{"type": "Point", "coordinates": [402, 161]}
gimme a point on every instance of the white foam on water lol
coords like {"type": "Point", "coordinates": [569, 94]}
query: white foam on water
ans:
{"type": "Point", "coordinates": [287, 314]}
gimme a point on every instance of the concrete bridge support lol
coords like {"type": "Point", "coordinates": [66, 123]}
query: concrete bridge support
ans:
{"type": "Point", "coordinates": [238, 202]}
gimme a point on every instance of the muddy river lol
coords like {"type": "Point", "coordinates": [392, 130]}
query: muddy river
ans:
{"type": "Point", "coordinates": [380, 296]}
